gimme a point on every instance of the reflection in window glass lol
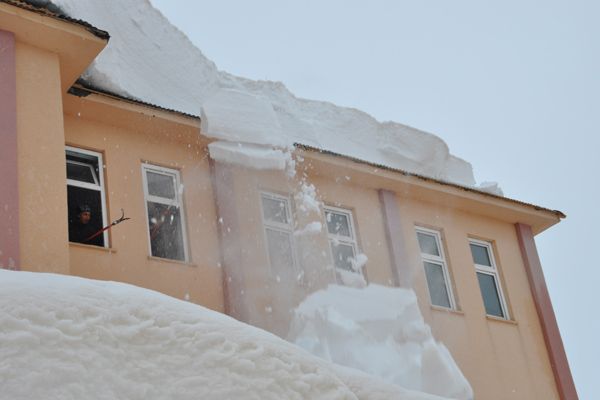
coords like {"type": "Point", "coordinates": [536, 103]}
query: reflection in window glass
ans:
{"type": "Point", "coordinates": [161, 185]}
{"type": "Point", "coordinates": [437, 285]}
{"type": "Point", "coordinates": [81, 172]}
{"type": "Point", "coordinates": [480, 255]}
{"type": "Point", "coordinates": [278, 233]}
{"type": "Point", "coordinates": [166, 239]}
{"type": "Point", "coordinates": [280, 249]}
{"type": "Point", "coordinates": [342, 242]}
{"type": "Point", "coordinates": [343, 256]}
{"type": "Point", "coordinates": [166, 227]}
{"type": "Point", "coordinates": [489, 281]}
{"type": "Point", "coordinates": [428, 244]}
{"type": "Point", "coordinates": [489, 292]}
{"type": "Point", "coordinates": [275, 209]}
{"type": "Point", "coordinates": [338, 224]}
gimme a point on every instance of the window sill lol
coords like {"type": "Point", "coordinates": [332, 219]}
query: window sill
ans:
{"type": "Point", "coordinates": [447, 310]}
{"type": "Point", "coordinates": [498, 319]}
{"type": "Point", "coordinates": [92, 247]}
{"type": "Point", "coordinates": [169, 261]}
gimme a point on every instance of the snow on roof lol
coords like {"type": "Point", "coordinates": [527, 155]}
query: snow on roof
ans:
{"type": "Point", "coordinates": [47, 8]}
{"type": "Point", "coordinates": [72, 338]}
{"type": "Point", "coordinates": [151, 60]}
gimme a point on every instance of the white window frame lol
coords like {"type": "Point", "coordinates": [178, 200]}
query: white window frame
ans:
{"type": "Point", "coordinates": [433, 259]}
{"type": "Point", "coordinates": [287, 228]}
{"type": "Point", "coordinates": [177, 202]}
{"type": "Point", "coordinates": [493, 271]}
{"type": "Point", "coordinates": [99, 186]}
{"type": "Point", "coordinates": [347, 240]}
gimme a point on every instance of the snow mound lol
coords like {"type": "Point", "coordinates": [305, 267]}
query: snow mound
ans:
{"type": "Point", "coordinates": [64, 337]}
{"type": "Point", "coordinates": [380, 331]}
{"type": "Point", "coordinates": [139, 63]}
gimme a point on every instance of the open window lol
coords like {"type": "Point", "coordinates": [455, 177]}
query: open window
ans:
{"type": "Point", "coordinates": [85, 197]}
{"type": "Point", "coordinates": [342, 241]}
{"type": "Point", "coordinates": [164, 208]}
{"type": "Point", "coordinates": [436, 268]}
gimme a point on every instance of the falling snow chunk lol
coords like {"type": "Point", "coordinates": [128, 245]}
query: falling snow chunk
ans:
{"type": "Point", "coordinates": [490, 187]}
{"type": "Point", "coordinates": [311, 228]}
{"type": "Point", "coordinates": [351, 279]}
{"type": "Point", "coordinates": [306, 198]}
{"type": "Point", "coordinates": [380, 331]}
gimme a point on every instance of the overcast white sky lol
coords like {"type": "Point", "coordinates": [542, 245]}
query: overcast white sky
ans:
{"type": "Point", "coordinates": [513, 87]}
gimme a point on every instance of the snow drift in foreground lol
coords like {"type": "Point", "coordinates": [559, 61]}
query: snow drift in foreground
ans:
{"type": "Point", "coordinates": [149, 59]}
{"type": "Point", "coordinates": [64, 337]}
{"type": "Point", "coordinates": [378, 330]}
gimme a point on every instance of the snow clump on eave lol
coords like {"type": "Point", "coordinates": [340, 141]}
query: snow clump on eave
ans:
{"type": "Point", "coordinates": [151, 60]}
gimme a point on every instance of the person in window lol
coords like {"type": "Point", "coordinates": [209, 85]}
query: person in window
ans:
{"type": "Point", "coordinates": [81, 228]}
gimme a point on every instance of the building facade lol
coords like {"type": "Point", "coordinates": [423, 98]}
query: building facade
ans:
{"type": "Point", "coordinates": [242, 240]}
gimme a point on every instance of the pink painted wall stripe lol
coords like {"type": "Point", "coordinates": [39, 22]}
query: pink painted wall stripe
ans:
{"type": "Point", "coordinates": [230, 243]}
{"type": "Point", "coordinates": [395, 238]}
{"type": "Point", "coordinates": [543, 304]}
{"type": "Point", "coordinates": [9, 190]}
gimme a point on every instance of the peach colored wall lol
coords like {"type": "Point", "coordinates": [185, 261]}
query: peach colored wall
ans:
{"type": "Point", "coordinates": [43, 201]}
{"type": "Point", "coordinates": [127, 260]}
{"type": "Point", "coordinates": [369, 224]}
{"type": "Point", "coordinates": [501, 359]}
{"type": "Point", "coordinates": [267, 296]}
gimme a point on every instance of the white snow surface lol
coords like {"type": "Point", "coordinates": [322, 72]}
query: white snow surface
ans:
{"type": "Point", "coordinates": [63, 337]}
{"type": "Point", "coordinates": [380, 331]}
{"type": "Point", "coordinates": [149, 59]}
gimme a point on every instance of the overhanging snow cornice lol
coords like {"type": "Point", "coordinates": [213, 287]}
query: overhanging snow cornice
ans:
{"type": "Point", "coordinates": [445, 194]}
{"type": "Point", "coordinates": [373, 175]}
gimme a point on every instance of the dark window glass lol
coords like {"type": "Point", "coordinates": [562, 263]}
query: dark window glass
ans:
{"type": "Point", "coordinates": [428, 244]}
{"type": "Point", "coordinates": [80, 232]}
{"type": "Point", "coordinates": [161, 185]}
{"type": "Point", "coordinates": [275, 210]}
{"type": "Point", "coordinates": [480, 255]}
{"type": "Point", "coordinates": [166, 234]}
{"type": "Point", "coordinates": [489, 292]}
{"type": "Point", "coordinates": [343, 256]}
{"type": "Point", "coordinates": [437, 285]}
{"type": "Point", "coordinates": [81, 172]}
{"type": "Point", "coordinates": [338, 224]}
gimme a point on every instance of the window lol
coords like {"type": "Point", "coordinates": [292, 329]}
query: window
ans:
{"type": "Point", "coordinates": [436, 270]}
{"type": "Point", "coordinates": [164, 207]}
{"type": "Point", "coordinates": [85, 197]}
{"type": "Point", "coordinates": [342, 241]}
{"type": "Point", "coordinates": [277, 221]}
{"type": "Point", "coordinates": [487, 275]}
